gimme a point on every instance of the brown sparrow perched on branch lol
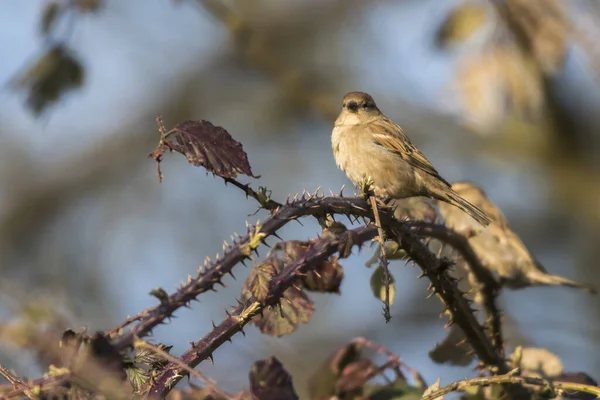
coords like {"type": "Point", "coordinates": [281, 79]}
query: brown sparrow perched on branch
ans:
{"type": "Point", "coordinates": [368, 146]}
{"type": "Point", "coordinates": [498, 247]}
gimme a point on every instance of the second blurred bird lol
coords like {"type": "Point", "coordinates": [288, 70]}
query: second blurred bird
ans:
{"type": "Point", "coordinates": [498, 247]}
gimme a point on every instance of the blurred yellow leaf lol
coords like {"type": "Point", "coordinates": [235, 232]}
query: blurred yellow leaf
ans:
{"type": "Point", "coordinates": [497, 82]}
{"type": "Point", "coordinates": [462, 23]}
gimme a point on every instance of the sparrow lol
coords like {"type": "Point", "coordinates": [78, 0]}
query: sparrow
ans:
{"type": "Point", "coordinates": [499, 248]}
{"type": "Point", "coordinates": [370, 147]}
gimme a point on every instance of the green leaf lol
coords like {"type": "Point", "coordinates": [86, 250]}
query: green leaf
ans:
{"type": "Point", "coordinates": [392, 252]}
{"type": "Point", "coordinates": [137, 377]}
{"type": "Point", "coordinates": [151, 358]}
{"type": "Point", "coordinates": [378, 285]}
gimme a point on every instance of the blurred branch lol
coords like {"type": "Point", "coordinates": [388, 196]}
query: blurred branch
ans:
{"type": "Point", "coordinates": [257, 47]}
{"type": "Point", "coordinates": [16, 382]}
{"type": "Point", "coordinates": [547, 385]}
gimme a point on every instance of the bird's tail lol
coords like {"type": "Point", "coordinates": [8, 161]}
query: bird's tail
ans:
{"type": "Point", "coordinates": [542, 278]}
{"type": "Point", "coordinates": [475, 213]}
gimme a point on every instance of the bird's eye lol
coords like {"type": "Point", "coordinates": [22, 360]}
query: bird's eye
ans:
{"type": "Point", "coordinates": [367, 106]}
{"type": "Point", "coordinates": [352, 105]}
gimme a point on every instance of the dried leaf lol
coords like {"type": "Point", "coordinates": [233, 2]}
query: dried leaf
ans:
{"type": "Point", "coordinates": [270, 381]}
{"type": "Point", "coordinates": [295, 308]}
{"type": "Point", "coordinates": [326, 278]}
{"type": "Point", "coordinates": [50, 15]}
{"type": "Point", "coordinates": [69, 345]}
{"type": "Point", "coordinates": [378, 285]}
{"type": "Point", "coordinates": [454, 349]}
{"type": "Point", "coordinates": [88, 6]}
{"type": "Point", "coordinates": [322, 383]}
{"type": "Point", "coordinates": [107, 355]}
{"type": "Point", "coordinates": [354, 376]}
{"type": "Point", "coordinates": [537, 362]}
{"type": "Point", "coordinates": [257, 283]}
{"type": "Point", "coordinates": [209, 146]}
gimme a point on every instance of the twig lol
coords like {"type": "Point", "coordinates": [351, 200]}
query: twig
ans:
{"type": "Point", "coordinates": [382, 258]}
{"type": "Point", "coordinates": [243, 314]}
{"type": "Point", "coordinates": [514, 379]}
{"type": "Point", "coordinates": [16, 382]}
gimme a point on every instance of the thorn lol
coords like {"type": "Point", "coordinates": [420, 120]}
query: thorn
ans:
{"type": "Point", "coordinates": [213, 324]}
{"type": "Point", "coordinates": [276, 235]}
{"type": "Point", "coordinates": [342, 190]}
{"type": "Point", "coordinates": [232, 275]}
{"type": "Point", "coordinates": [211, 359]}
{"type": "Point", "coordinates": [242, 331]}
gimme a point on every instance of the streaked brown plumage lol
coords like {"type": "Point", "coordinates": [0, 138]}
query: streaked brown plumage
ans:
{"type": "Point", "coordinates": [498, 247]}
{"type": "Point", "coordinates": [368, 145]}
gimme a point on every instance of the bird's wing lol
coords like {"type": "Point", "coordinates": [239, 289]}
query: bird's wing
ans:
{"type": "Point", "coordinates": [390, 136]}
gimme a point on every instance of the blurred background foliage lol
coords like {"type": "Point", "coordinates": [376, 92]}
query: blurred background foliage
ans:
{"type": "Point", "coordinates": [504, 93]}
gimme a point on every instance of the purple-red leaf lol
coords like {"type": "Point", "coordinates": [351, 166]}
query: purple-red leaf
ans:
{"type": "Point", "coordinates": [205, 145]}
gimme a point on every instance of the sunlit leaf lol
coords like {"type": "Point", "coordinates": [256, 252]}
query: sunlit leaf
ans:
{"type": "Point", "coordinates": [378, 285]}
{"type": "Point", "coordinates": [257, 283]}
{"type": "Point", "coordinates": [454, 349]}
{"type": "Point", "coordinates": [295, 308]}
